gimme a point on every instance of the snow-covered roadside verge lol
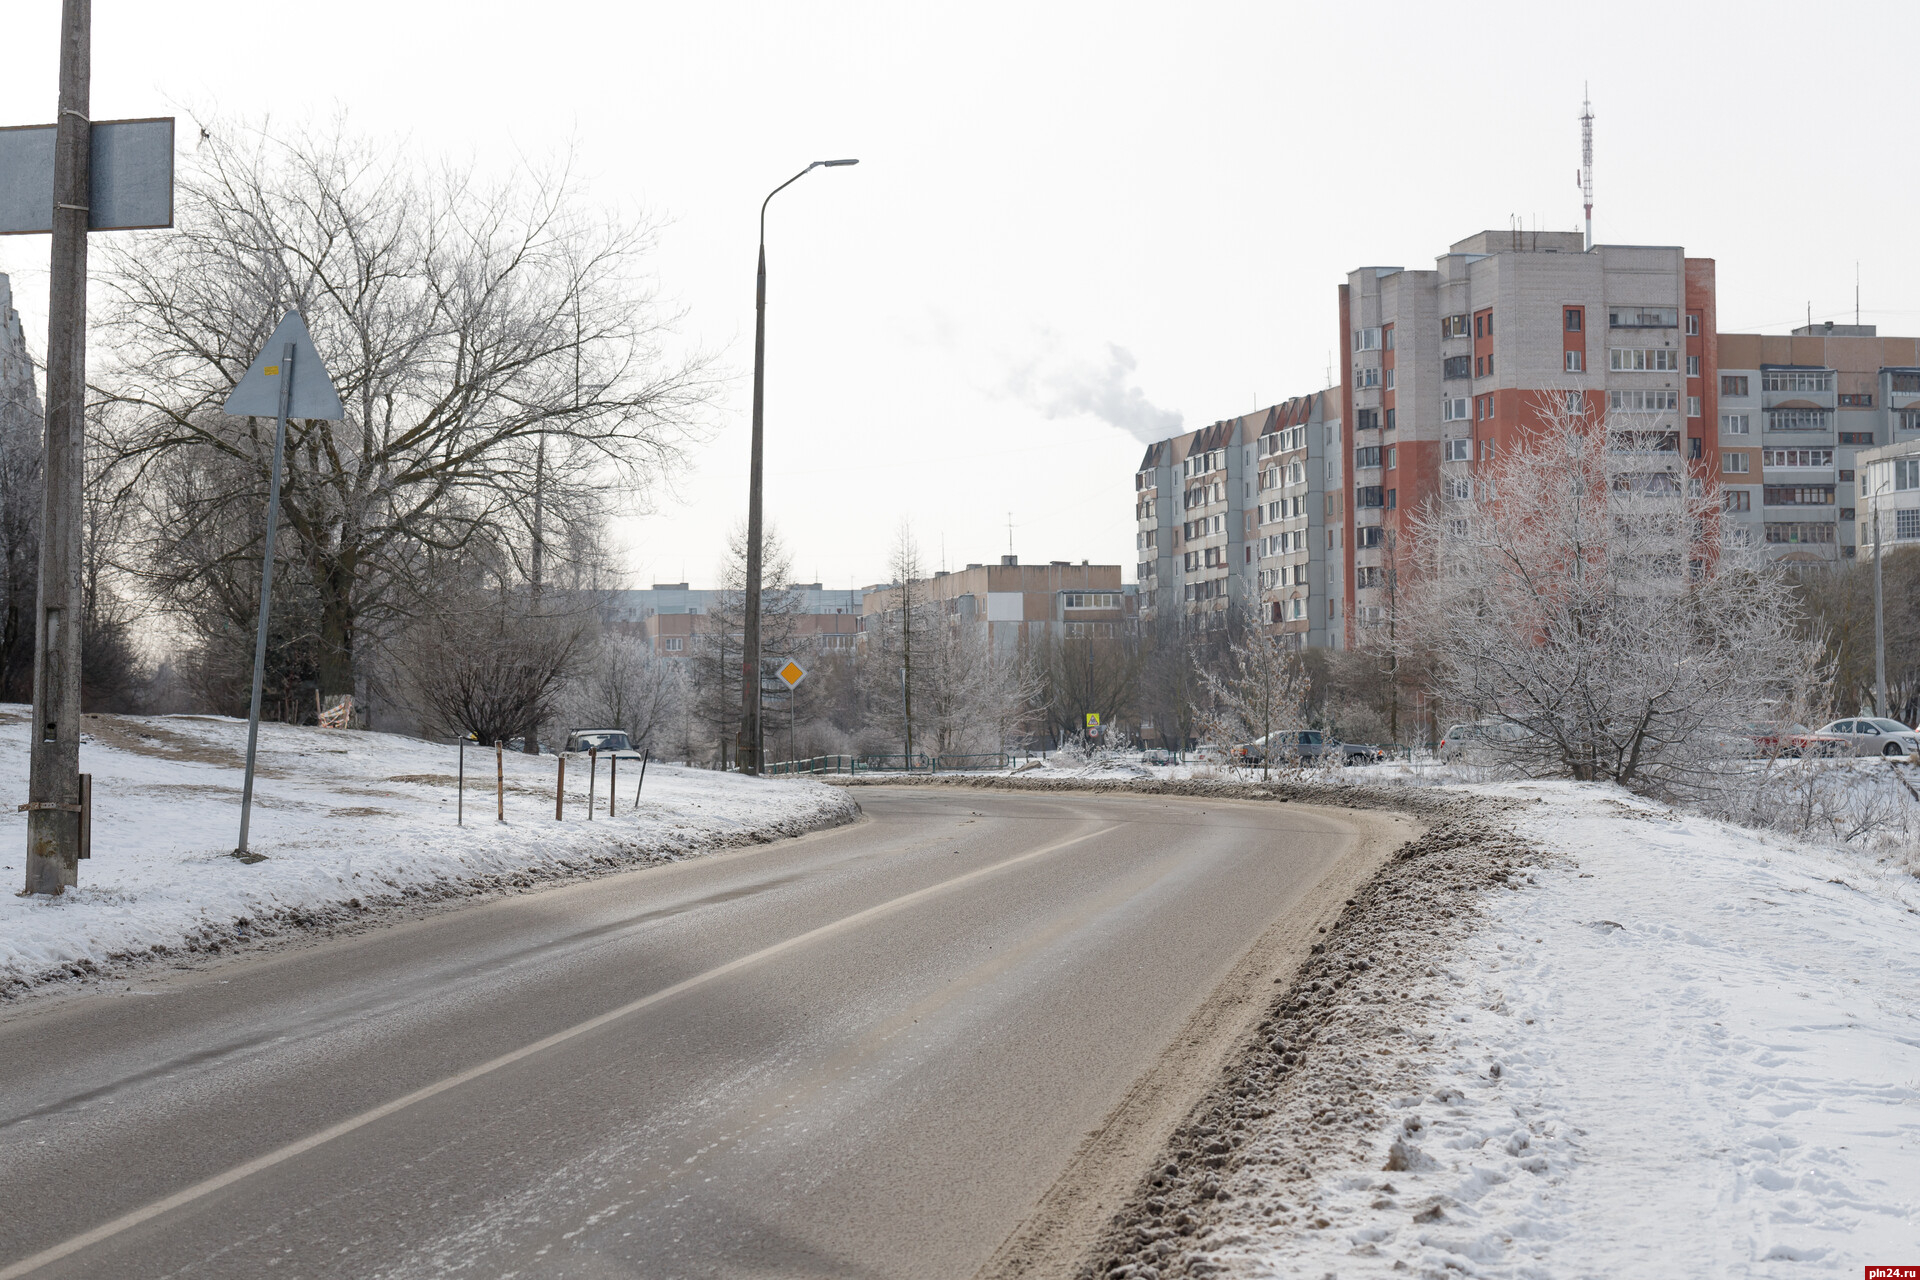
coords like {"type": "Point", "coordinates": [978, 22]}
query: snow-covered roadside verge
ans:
{"type": "Point", "coordinates": [349, 822]}
{"type": "Point", "coordinates": [1668, 1046]}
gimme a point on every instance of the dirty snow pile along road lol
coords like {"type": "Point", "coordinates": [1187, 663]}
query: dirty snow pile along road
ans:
{"type": "Point", "coordinates": [349, 822]}
{"type": "Point", "coordinates": [1670, 1047]}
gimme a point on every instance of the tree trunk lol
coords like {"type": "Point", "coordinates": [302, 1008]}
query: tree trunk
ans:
{"type": "Point", "coordinates": [334, 580]}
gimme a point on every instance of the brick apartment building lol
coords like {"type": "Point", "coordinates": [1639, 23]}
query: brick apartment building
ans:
{"type": "Point", "coordinates": [1442, 369]}
{"type": "Point", "coordinates": [1795, 413]}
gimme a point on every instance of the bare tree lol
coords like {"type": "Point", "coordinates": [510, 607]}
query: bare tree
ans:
{"type": "Point", "coordinates": [897, 642]}
{"type": "Point", "coordinates": [502, 362]}
{"type": "Point", "coordinates": [1260, 690]}
{"type": "Point", "coordinates": [972, 698]}
{"type": "Point", "coordinates": [1598, 605]}
{"type": "Point", "coordinates": [21, 430]}
{"type": "Point", "coordinates": [624, 686]}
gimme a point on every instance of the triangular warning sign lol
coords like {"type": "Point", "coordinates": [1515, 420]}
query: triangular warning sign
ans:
{"type": "Point", "coordinates": [258, 394]}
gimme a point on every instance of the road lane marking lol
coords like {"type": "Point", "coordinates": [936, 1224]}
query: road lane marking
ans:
{"type": "Point", "coordinates": [280, 1155]}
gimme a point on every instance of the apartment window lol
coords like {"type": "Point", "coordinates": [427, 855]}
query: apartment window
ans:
{"type": "Point", "coordinates": [1386, 337]}
{"type": "Point", "coordinates": [1909, 420]}
{"type": "Point", "coordinates": [1906, 384]}
{"type": "Point", "coordinates": [674, 644]}
{"type": "Point", "coordinates": [1801, 380]}
{"type": "Point", "coordinates": [1786, 532]}
{"type": "Point", "coordinates": [1489, 355]}
{"type": "Point", "coordinates": [1576, 402]}
{"type": "Point", "coordinates": [1456, 367]}
{"type": "Point", "coordinates": [1855, 400]}
{"type": "Point", "coordinates": [1906, 473]}
{"type": "Point", "coordinates": [1643, 318]}
{"type": "Point", "coordinates": [1847, 513]}
{"type": "Point", "coordinates": [1389, 422]}
{"type": "Point", "coordinates": [1453, 326]}
{"type": "Point", "coordinates": [1736, 424]}
{"type": "Point", "coordinates": [1846, 477]}
{"type": "Point", "coordinates": [1693, 366]}
{"type": "Point", "coordinates": [1574, 319]}
{"type": "Point", "coordinates": [1643, 401]}
{"type": "Point", "coordinates": [1737, 500]}
{"type": "Point", "coordinates": [1456, 451]}
{"type": "Point", "coordinates": [1799, 495]}
{"type": "Point", "coordinates": [1366, 576]}
{"type": "Point", "coordinates": [1734, 463]}
{"type": "Point", "coordinates": [1367, 456]}
{"type": "Point", "coordinates": [1486, 407]}
{"type": "Point", "coordinates": [1391, 494]}
{"type": "Point", "coordinates": [1693, 447]}
{"type": "Point", "coordinates": [1732, 384]}
{"type": "Point", "coordinates": [1693, 326]}
{"type": "Point", "coordinates": [1369, 497]}
{"type": "Point", "coordinates": [1390, 457]}
{"type": "Point", "coordinates": [1906, 524]}
{"type": "Point", "coordinates": [1693, 406]}
{"type": "Point", "coordinates": [1479, 326]}
{"type": "Point", "coordinates": [1386, 379]}
{"type": "Point", "coordinates": [1456, 528]}
{"type": "Point", "coordinates": [1796, 457]}
{"type": "Point", "coordinates": [1366, 419]}
{"type": "Point", "coordinates": [1454, 409]}
{"type": "Point", "coordinates": [1368, 536]}
{"type": "Point", "coordinates": [1366, 339]}
{"type": "Point", "coordinates": [1643, 360]}
{"type": "Point", "coordinates": [1093, 600]}
{"type": "Point", "coordinates": [1479, 366]}
{"type": "Point", "coordinates": [1489, 324]}
{"type": "Point", "coordinates": [1457, 489]}
{"type": "Point", "coordinates": [1856, 437]}
{"type": "Point", "coordinates": [1576, 362]}
{"type": "Point", "coordinates": [1486, 451]}
{"type": "Point", "coordinates": [1799, 419]}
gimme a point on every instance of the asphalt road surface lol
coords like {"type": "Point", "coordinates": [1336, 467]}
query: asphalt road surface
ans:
{"type": "Point", "coordinates": [866, 1052]}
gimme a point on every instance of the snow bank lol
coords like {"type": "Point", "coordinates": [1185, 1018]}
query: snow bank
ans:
{"type": "Point", "coordinates": [348, 821]}
{"type": "Point", "coordinates": [1681, 1049]}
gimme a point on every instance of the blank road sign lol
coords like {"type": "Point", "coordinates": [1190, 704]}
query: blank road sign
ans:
{"type": "Point", "coordinates": [129, 176]}
{"type": "Point", "coordinates": [258, 393]}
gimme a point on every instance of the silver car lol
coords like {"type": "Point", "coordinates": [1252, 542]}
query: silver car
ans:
{"type": "Point", "coordinates": [1867, 737]}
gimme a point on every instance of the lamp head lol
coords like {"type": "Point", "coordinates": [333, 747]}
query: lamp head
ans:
{"type": "Point", "coordinates": [830, 164]}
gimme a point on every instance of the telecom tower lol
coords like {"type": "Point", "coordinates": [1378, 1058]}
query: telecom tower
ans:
{"type": "Point", "coordinates": [1586, 158]}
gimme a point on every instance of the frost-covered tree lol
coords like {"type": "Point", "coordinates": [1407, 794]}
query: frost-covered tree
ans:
{"type": "Point", "coordinates": [623, 685]}
{"type": "Point", "coordinates": [1595, 600]}
{"type": "Point", "coordinates": [1259, 689]}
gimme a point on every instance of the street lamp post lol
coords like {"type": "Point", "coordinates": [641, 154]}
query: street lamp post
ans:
{"type": "Point", "coordinates": [749, 752]}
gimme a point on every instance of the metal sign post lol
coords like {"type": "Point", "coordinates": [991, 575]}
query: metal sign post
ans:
{"type": "Point", "coordinates": [288, 375]}
{"type": "Point", "coordinates": [791, 675]}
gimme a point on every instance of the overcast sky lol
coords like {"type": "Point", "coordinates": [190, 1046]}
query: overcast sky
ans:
{"type": "Point", "coordinates": [1074, 227]}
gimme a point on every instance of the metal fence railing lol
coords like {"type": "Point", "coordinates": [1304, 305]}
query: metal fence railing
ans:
{"type": "Point", "coordinates": [919, 762]}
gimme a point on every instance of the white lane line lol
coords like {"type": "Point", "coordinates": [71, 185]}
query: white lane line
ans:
{"type": "Point", "coordinates": [106, 1230]}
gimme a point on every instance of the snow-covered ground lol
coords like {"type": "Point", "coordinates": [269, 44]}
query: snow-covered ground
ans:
{"type": "Point", "coordinates": [1680, 1048]}
{"type": "Point", "coordinates": [348, 821]}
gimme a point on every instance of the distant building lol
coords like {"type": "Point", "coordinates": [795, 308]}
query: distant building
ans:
{"type": "Point", "coordinates": [1889, 486]}
{"type": "Point", "coordinates": [1240, 512]}
{"type": "Point", "coordinates": [1797, 415]}
{"type": "Point", "coordinates": [667, 616]}
{"type": "Point", "coordinates": [1019, 605]}
{"type": "Point", "coordinates": [19, 401]}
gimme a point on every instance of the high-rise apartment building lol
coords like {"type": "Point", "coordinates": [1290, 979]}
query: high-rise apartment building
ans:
{"type": "Point", "coordinates": [1237, 513]}
{"type": "Point", "coordinates": [1442, 369]}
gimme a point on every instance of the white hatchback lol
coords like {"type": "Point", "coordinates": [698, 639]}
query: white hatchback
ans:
{"type": "Point", "coordinates": [1868, 737]}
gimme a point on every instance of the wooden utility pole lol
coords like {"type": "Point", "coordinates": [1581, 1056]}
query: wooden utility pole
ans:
{"type": "Point", "coordinates": [53, 787]}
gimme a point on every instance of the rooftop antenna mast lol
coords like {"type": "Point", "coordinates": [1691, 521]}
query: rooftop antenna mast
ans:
{"type": "Point", "coordinates": [1586, 157]}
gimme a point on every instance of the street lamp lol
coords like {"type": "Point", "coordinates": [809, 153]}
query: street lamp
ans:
{"type": "Point", "coordinates": [750, 736]}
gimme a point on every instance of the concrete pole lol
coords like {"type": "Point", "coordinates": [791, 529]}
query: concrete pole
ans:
{"type": "Point", "coordinates": [53, 786]}
{"type": "Point", "coordinates": [1879, 621]}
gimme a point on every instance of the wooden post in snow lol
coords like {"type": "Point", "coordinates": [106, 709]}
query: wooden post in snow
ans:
{"type": "Point", "coordinates": [593, 778]}
{"type": "Point", "coordinates": [500, 780]}
{"type": "Point", "coordinates": [613, 776]}
{"type": "Point", "coordinates": [560, 791]}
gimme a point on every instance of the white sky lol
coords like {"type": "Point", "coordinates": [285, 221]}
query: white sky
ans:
{"type": "Point", "coordinates": [1042, 183]}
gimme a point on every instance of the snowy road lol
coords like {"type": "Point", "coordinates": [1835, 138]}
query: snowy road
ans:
{"type": "Point", "coordinates": [865, 1052]}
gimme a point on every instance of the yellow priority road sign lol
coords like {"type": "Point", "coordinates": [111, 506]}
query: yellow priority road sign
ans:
{"type": "Point", "coordinates": [793, 673]}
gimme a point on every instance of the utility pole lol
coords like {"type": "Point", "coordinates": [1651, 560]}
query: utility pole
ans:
{"type": "Point", "coordinates": [53, 787]}
{"type": "Point", "coordinates": [1879, 620]}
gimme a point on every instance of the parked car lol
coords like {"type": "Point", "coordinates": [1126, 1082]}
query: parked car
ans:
{"type": "Point", "coordinates": [1303, 746]}
{"type": "Point", "coordinates": [607, 742]}
{"type": "Point", "coordinates": [1474, 739]}
{"type": "Point", "coordinates": [1363, 753]}
{"type": "Point", "coordinates": [1867, 736]}
{"type": "Point", "coordinates": [1158, 755]}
